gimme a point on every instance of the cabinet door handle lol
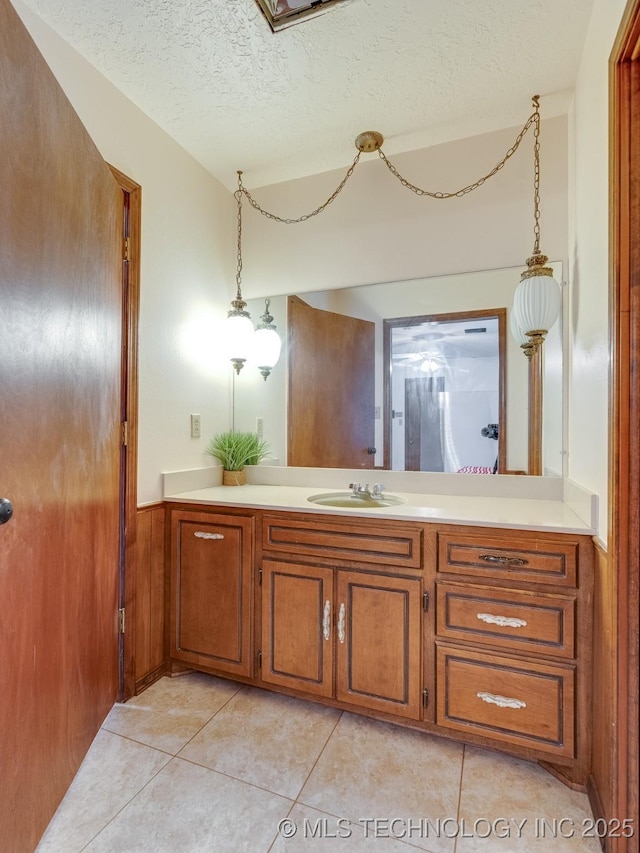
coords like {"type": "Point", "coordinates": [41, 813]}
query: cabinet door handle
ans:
{"type": "Point", "coordinates": [341, 623]}
{"type": "Point", "coordinates": [504, 561]}
{"type": "Point", "coordinates": [501, 701]}
{"type": "Point", "coordinates": [199, 534]}
{"type": "Point", "coordinates": [502, 621]}
{"type": "Point", "coordinates": [326, 620]}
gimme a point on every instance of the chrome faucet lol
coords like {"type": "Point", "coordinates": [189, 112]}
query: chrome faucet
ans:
{"type": "Point", "coordinates": [359, 491]}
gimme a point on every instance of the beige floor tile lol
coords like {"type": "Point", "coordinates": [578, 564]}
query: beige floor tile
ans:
{"type": "Point", "coordinates": [309, 829]}
{"type": "Point", "coordinates": [113, 772]}
{"type": "Point", "coordinates": [189, 809]}
{"type": "Point", "coordinates": [171, 711]}
{"type": "Point", "coordinates": [373, 770]}
{"type": "Point", "coordinates": [264, 738]}
{"type": "Point", "coordinates": [500, 793]}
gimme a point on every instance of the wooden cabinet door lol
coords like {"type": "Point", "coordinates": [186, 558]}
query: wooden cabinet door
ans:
{"type": "Point", "coordinates": [211, 591]}
{"type": "Point", "coordinates": [378, 642]}
{"type": "Point", "coordinates": [297, 635]}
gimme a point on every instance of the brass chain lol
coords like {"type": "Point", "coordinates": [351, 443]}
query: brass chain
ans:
{"type": "Point", "coordinates": [536, 176]}
{"type": "Point", "coordinates": [238, 197]}
{"type": "Point", "coordinates": [534, 119]}
{"type": "Point", "coordinates": [305, 216]}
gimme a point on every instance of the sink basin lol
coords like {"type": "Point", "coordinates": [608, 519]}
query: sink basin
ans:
{"type": "Point", "coordinates": [348, 499]}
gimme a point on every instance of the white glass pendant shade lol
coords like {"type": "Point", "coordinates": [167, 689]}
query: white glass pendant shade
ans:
{"type": "Point", "coordinates": [536, 303]}
{"type": "Point", "coordinates": [266, 348]}
{"type": "Point", "coordinates": [239, 336]}
{"type": "Point", "coordinates": [266, 343]}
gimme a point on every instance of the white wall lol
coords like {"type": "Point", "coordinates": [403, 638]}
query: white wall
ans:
{"type": "Point", "coordinates": [589, 258]}
{"type": "Point", "coordinates": [188, 223]}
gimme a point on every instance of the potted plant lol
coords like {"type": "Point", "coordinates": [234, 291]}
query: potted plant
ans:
{"type": "Point", "coordinates": [235, 450]}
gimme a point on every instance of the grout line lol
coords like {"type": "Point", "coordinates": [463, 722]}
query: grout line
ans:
{"type": "Point", "coordinates": [315, 763]}
{"type": "Point", "coordinates": [464, 753]}
{"type": "Point", "coordinates": [132, 798]}
{"type": "Point", "coordinates": [234, 778]}
{"type": "Point", "coordinates": [215, 714]}
{"type": "Point", "coordinates": [297, 801]}
{"type": "Point", "coordinates": [140, 742]}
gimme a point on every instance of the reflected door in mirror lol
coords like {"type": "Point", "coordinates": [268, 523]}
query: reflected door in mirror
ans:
{"type": "Point", "coordinates": [331, 388]}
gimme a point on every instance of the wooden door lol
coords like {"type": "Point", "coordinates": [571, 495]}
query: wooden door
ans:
{"type": "Point", "coordinates": [423, 431]}
{"type": "Point", "coordinates": [378, 648]}
{"type": "Point", "coordinates": [211, 612]}
{"type": "Point", "coordinates": [331, 388]}
{"type": "Point", "coordinates": [297, 632]}
{"type": "Point", "coordinates": [60, 327]}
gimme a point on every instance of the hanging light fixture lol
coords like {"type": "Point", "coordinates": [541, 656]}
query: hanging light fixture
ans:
{"type": "Point", "coordinates": [266, 343]}
{"type": "Point", "coordinates": [239, 328]}
{"type": "Point", "coordinates": [537, 300]}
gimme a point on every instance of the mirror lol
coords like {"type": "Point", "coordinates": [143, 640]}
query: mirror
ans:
{"type": "Point", "coordinates": [254, 399]}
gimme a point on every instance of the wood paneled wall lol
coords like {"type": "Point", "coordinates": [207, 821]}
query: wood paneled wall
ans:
{"type": "Point", "coordinates": [149, 622]}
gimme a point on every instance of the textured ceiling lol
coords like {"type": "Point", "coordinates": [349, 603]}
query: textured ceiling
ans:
{"type": "Point", "coordinates": [287, 104]}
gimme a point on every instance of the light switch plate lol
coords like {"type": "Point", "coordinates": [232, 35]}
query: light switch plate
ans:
{"type": "Point", "coordinates": [195, 426]}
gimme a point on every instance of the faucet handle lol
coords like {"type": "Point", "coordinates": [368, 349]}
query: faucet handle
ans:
{"type": "Point", "coordinates": [355, 487]}
{"type": "Point", "coordinates": [378, 489]}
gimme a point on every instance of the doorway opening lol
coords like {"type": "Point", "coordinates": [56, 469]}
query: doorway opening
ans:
{"type": "Point", "coordinates": [444, 392]}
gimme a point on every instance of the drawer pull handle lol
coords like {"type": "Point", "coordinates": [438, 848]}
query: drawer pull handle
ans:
{"type": "Point", "coordinates": [326, 620]}
{"type": "Point", "coordinates": [199, 534]}
{"type": "Point", "coordinates": [501, 701]}
{"type": "Point", "coordinates": [341, 624]}
{"type": "Point", "coordinates": [504, 561]}
{"type": "Point", "coordinates": [502, 621]}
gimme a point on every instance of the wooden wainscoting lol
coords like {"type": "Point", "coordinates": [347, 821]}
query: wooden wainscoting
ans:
{"type": "Point", "coordinates": [149, 618]}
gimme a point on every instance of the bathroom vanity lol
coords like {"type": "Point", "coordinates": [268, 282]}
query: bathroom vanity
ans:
{"type": "Point", "coordinates": [478, 631]}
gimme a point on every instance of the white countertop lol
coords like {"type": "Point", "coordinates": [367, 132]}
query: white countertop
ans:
{"type": "Point", "coordinates": [519, 513]}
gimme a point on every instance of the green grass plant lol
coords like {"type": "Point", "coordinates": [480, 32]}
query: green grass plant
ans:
{"type": "Point", "coordinates": [237, 449]}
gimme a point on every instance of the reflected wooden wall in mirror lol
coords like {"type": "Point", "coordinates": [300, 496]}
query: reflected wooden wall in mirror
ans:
{"type": "Point", "coordinates": [477, 291]}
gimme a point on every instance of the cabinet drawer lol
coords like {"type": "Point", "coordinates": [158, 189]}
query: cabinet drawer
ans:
{"type": "Point", "coordinates": [513, 701]}
{"type": "Point", "coordinates": [520, 620]}
{"type": "Point", "coordinates": [489, 556]}
{"type": "Point", "coordinates": [338, 541]}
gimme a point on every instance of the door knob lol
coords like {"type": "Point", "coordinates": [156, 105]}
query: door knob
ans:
{"type": "Point", "coordinates": [6, 510]}
{"type": "Point", "coordinates": [371, 450]}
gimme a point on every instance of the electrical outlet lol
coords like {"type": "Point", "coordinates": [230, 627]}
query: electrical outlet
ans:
{"type": "Point", "coordinates": [195, 426]}
{"type": "Point", "coordinates": [259, 427]}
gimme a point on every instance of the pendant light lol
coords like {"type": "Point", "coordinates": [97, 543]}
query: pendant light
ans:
{"type": "Point", "coordinates": [239, 328]}
{"type": "Point", "coordinates": [537, 300]}
{"type": "Point", "coordinates": [266, 343]}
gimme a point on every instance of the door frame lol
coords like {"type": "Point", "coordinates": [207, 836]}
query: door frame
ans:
{"type": "Point", "coordinates": [132, 214]}
{"type": "Point", "coordinates": [624, 406]}
{"type": "Point", "coordinates": [387, 325]}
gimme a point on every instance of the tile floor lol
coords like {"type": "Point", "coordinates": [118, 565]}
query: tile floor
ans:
{"type": "Point", "coordinates": [197, 763]}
